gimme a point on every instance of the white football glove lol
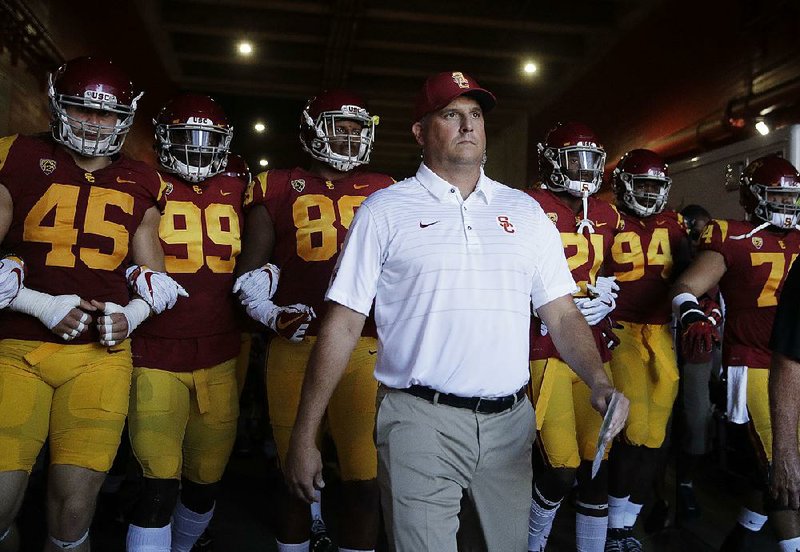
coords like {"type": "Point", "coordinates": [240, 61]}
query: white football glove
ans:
{"type": "Point", "coordinates": [49, 309]}
{"type": "Point", "coordinates": [135, 313]}
{"type": "Point", "coordinates": [257, 286]}
{"type": "Point", "coordinates": [602, 302]}
{"type": "Point", "coordinates": [12, 275]}
{"type": "Point", "coordinates": [157, 289]}
{"type": "Point", "coordinates": [605, 286]}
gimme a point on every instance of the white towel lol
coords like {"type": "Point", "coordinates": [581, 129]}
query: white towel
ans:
{"type": "Point", "coordinates": [737, 395]}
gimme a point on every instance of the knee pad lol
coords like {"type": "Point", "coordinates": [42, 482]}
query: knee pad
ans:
{"type": "Point", "coordinates": [198, 497]}
{"type": "Point", "coordinates": [555, 483]}
{"type": "Point", "coordinates": [69, 545]}
{"type": "Point", "coordinates": [156, 502]}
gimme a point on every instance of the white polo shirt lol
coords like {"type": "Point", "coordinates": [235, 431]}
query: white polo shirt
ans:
{"type": "Point", "coordinates": [453, 281]}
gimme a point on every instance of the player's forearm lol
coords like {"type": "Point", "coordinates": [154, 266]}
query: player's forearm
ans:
{"type": "Point", "coordinates": [784, 403]}
{"type": "Point", "coordinates": [258, 240]}
{"type": "Point", "coordinates": [339, 333]}
{"type": "Point", "coordinates": [146, 246]}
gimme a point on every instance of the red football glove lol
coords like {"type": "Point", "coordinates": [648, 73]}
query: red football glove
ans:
{"type": "Point", "coordinates": [606, 327]}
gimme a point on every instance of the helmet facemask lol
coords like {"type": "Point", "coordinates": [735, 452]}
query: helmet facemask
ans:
{"type": "Point", "coordinates": [325, 140]}
{"type": "Point", "coordinates": [193, 150]}
{"type": "Point", "coordinates": [86, 138]}
{"type": "Point", "coordinates": [778, 205]}
{"type": "Point", "coordinates": [638, 197]}
{"type": "Point", "coordinates": [577, 170]}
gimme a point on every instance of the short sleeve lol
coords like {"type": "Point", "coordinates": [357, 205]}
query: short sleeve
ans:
{"type": "Point", "coordinates": [354, 282]}
{"type": "Point", "coordinates": [786, 329]}
{"type": "Point", "coordinates": [552, 278]}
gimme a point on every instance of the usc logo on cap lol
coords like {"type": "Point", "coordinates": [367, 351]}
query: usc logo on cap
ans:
{"type": "Point", "coordinates": [460, 79]}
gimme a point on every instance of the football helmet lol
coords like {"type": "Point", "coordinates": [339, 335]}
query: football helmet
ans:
{"type": "Point", "coordinates": [769, 190]}
{"type": "Point", "coordinates": [641, 183]}
{"type": "Point", "coordinates": [327, 139]}
{"type": "Point", "coordinates": [571, 159]}
{"type": "Point", "coordinates": [193, 137]}
{"type": "Point", "coordinates": [87, 85]}
{"type": "Point", "coordinates": [237, 167]}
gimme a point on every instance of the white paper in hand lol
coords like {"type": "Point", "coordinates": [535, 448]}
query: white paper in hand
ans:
{"type": "Point", "coordinates": [602, 437]}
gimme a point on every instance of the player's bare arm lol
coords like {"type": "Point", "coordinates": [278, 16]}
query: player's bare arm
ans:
{"type": "Point", "coordinates": [340, 330]}
{"type": "Point", "coordinates": [784, 405]}
{"type": "Point", "coordinates": [574, 341]}
{"type": "Point", "coordinates": [146, 247]}
{"type": "Point", "coordinates": [704, 273]}
{"type": "Point", "coordinates": [258, 240]}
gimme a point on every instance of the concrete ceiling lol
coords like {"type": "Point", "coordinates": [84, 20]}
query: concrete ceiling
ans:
{"type": "Point", "coordinates": [381, 49]}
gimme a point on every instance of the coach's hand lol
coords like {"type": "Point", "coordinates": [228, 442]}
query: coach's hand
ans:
{"type": "Point", "coordinates": [303, 470]}
{"type": "Point", "coordinates": [601, 398]}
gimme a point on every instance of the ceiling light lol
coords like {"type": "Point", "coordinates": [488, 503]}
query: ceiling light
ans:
{"type": "Point", "coordinates": [260, 127]}
{"type": "Point", "coordinates": [263, 162]}
{"type": "Point", "coordinates": [529, 68]}
{"type": "Point", "coordinates": [245, 48]}
{"type": "Point", "coordinates": [762, 128]}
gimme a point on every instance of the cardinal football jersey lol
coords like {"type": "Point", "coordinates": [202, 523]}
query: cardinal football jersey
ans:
{"type": "Point", "coordinates": [72, 228]}
{"type": "Point", "coordinates": [311, 216]}
{"type": "Point", "coordinates": [642, 260]}
{"type": "Point", "coordinates": [200, 231]}
{"type": "Point", "coordinates": [585, 255]}
{"type": "Point", "coordinates": [756, 269]}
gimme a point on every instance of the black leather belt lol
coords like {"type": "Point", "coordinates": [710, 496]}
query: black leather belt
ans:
{"type": "Point", "coordinates": [481, 405]}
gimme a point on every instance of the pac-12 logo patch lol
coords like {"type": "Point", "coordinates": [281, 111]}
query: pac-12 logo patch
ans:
{"type": "Point", "coordinates": [299, 185]}
{"type": "Point", "coordinates": [505, 224]}
{"type": "Point", "coordinates": [553, 217]}
{"type": "Point", "coordinates": [757, 242]}
{"type": "Point", "coordinates": [47, 165]}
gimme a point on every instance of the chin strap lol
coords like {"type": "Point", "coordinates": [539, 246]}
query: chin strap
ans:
{"type": "Point", "coordinates": [751, 232]}
{"type": "Point", "coordinates": [585, 223]}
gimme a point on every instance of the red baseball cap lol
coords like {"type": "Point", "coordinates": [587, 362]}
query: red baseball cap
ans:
{"type": "Point", "coordinates": [439, 90]}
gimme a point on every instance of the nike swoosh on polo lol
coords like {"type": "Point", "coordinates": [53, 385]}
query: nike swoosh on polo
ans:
{"type": "Point", "coordinates": [423, 225]}
{"type": "Point", "coordinates": [123, 181]}
{"type": "Point", "coordinates": [360, 186]}
{"type": "Point", "coordinates": [284, 325]}
{"type": "Point", "coordinates": [113, 351]}
{"type": "Point", "coordinates": [600, 223]}
{"type": "Point", "coordinates": [223, 192]}
{"type": "Point", "coordinates": [373, 352]}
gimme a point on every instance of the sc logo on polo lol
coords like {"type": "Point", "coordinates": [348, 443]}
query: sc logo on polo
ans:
{"type": "Point", "coordinates": [505, 224]}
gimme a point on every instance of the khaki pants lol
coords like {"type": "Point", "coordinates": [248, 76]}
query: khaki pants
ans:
{"type": "Point", "coordinates": [429, 454]}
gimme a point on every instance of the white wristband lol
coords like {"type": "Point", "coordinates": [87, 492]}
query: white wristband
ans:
{"type": "Point", "coordinates": [679, 300]}
{"type": "Point", "coordinates": [49, 309]}
{"type": "Point", "coordinates": [136, 312]}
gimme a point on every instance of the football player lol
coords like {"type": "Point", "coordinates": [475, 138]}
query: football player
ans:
{"type": "Point", "coordinates": [78, 212]}
{"type": "Point", "coordinates": [184, 392]}
{"type": "Point", "coordinates": [571, 162]}
{"type": "Point", "coordinates": [644, 365]}
{"type": "Point", "coordinates": [298, 219]}
{"type": "Point", "coordinates": [749, 260]}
